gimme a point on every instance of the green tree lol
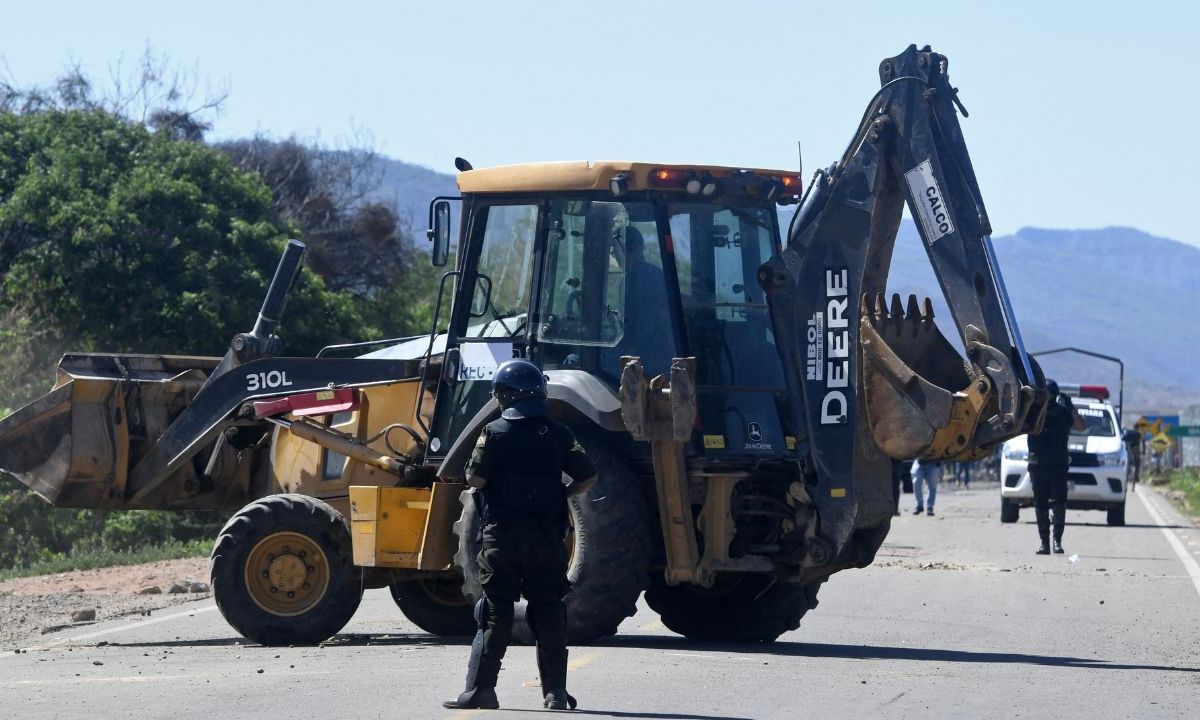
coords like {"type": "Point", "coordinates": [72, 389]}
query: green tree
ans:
{"type": "Point", "coordinates": [116, 238]}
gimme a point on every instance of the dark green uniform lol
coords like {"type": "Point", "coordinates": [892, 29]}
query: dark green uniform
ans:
{"type": "Point", "coordinates": [524, 523]}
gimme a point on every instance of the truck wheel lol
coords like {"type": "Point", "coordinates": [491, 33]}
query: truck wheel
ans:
{"type": "Point", "coordinates": [283, 572]}
{"type": "Point", "coordinates": [436, 605]}
{"type": "Point", "coordinates": [609, 543]}
{"type": "Point", "coordinates": [741, 608]}
{"type": "Point", "coordinates": [1116, 515]}
{"type": "Point", "coordinates": [1010, 512]}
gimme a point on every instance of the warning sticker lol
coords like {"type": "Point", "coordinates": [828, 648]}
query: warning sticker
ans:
{"type": "Point", "coordinates": [931, 204]}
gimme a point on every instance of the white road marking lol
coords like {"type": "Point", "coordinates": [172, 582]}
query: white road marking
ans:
{"type": "Point", "coordinates": [1189, 564]}
{"type": "Point", "coordinates": [120, 628]}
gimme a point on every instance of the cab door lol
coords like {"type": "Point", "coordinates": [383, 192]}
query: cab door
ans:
{"type": "Point", "coordinates": [491, 310]}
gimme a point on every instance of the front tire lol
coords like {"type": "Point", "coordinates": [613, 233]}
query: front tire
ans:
{"type": "Point", "coordinates": [1116, 515]}
{"type": "Point", "coordinates": [739, 608]}
{"type": "Point", "coordinates": [436, 605]}
{"type": "Point", "coordinates": [610, 548]}
{"type": "Point", "coordinates": [1010, 512]}
{"type": "Point", "coordinates": [283, 573]}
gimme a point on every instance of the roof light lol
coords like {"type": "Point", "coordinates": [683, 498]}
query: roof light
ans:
{"type": "Point", "coordinates": [666, 178]}
{"type": "Point", "coordinates": [710, 186]}
{"type": "Point", "coordinates": [619, 184]}
{"type": "Point", "coordinates": [693, 185]}
{"type": "Point", "coordinates": [791, 184]}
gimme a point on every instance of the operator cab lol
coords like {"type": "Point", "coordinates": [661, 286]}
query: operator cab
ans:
{"type": "Point", "coordinates": [576, 265]}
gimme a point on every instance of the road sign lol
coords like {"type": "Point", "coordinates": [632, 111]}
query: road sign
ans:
{"type": "Point", "coordinates": [1184, 431]}
{"type": "Point", "coordinates": [1160, 442]}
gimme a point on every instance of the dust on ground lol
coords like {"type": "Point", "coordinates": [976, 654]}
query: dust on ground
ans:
{"type": "Point", "coordinates": [33, 606]}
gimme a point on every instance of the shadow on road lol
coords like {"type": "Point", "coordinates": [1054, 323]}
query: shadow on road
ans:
{"type": "Point", "coordinates": [879, 652]}
{"type": "Point", "coordinates": [664, 642]}
{"type": "Point", "coordinates": [1140, 526]}
{"type": "Point", "coordinates": [620, 714]}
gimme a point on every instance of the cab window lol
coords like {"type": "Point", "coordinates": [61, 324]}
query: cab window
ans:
{"type": "Point", "coordinates": [604, 293]}
{"type": "Point", "coordinates": [500, 299]}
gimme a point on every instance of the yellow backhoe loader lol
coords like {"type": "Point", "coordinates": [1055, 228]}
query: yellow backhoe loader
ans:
{"type": "Point", "coordinates": [742, 397]}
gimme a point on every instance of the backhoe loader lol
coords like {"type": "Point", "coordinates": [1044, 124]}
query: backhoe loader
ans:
{"type": "Point", "coordinates": [741, 397]}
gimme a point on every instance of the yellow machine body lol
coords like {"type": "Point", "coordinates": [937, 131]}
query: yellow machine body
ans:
{"type": "Point", "coordinates": [401, 527]}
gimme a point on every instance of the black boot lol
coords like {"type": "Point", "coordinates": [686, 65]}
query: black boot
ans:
{"type": "Point", "coordinates": [1059, 514]}
{"type": "Point", "coordinates": [548, 621]}
{"type": "Point", "coordinates": [559, 699]}
{"type": "Point", "coordinates": [482, 671]}
{"type": "Point", "coordinates": [1043, 525]}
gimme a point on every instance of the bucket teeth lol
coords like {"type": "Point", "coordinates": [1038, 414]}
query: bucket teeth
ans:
{"type": "Point", "coordinates": [913, 313]}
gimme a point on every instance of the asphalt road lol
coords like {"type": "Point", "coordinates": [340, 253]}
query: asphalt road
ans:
{"type": "Point", "coordinates": [957, 618]}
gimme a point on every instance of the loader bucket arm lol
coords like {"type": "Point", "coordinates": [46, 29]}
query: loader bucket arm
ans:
{"type": "Point", "coordinates": [873, 380]}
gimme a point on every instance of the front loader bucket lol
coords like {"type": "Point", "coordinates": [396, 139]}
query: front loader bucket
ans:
{"type": "Point", "coordinates": [75, 445]}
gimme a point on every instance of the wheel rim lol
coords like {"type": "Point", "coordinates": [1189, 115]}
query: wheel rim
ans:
{"type": "Point", "coordinates": [287, 574]}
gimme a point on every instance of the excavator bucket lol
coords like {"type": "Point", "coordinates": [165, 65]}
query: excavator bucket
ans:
{"type": "Point", "coordinates": [75, 445]}
{"type": "Point", "coordinates": [922, 397]}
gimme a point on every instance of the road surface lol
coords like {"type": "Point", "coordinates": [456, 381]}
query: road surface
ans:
{"type": "Point", "coordinates": [957, 618]}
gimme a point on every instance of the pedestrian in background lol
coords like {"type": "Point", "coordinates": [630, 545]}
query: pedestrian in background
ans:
{"type": "Point", "coordinates": [1048, 461]}
{"type": "Point", "coordinates": [926, 473]}
{"type": "Point", "coordinates": [962, 474]}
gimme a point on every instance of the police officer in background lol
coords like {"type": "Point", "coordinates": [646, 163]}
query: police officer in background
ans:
{"type": "Point", "coordinates": [1048, 461]}
{"type": "Point", "coordinates": [518, 466]}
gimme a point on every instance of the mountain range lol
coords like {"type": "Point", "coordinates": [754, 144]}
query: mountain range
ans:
{"type": "Point", "coordinates": [1115, 291]}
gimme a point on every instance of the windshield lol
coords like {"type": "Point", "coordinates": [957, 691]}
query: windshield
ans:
{"type": "Point", "coordinates": [718, 251]}
{"type": "Point", "coordinates": [739, 376]}
{"type": "Point", "coordinates": [604, 294]}
{"type": "Point", "coordinates": [1099, 423]}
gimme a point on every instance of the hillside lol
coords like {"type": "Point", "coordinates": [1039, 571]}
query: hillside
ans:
{"type": "Point", "coordinates": [1115, 291]}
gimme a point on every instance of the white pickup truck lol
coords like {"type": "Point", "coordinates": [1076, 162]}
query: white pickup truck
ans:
{"type": "Point", "coordinates": [1099, 472]}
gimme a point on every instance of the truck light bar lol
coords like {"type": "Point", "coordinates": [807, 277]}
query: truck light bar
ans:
{"type": "Point", "coordinates": [1100, 392]}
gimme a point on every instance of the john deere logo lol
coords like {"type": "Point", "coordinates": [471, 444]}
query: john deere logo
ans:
{"type": "Point", "coordinates": [754, 430]}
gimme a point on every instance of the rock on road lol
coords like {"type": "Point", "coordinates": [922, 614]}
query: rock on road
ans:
{"type": "Point", "coordinates": [956, 618]}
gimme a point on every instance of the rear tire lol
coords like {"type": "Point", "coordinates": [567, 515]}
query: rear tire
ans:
{"type": "Point", "coordinates": [1116, 515]}
{"type": "Point", "coordinates": [610, 548]}
{"type": "Point", "coordinates": [1010, 512]}
{"type": "Point", "coordinates": [436, 605]}
{"type": "Point", "coordinates": [745, 608]}
{"type": "Point", "coordinates": [283, 573]}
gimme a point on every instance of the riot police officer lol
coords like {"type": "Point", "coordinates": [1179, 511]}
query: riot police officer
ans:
{"type": "Point", "coordinates": [1048, 461]}
{"type": "Point", "coordinates": [518, 467]}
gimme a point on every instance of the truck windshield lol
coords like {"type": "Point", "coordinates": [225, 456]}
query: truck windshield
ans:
{"type": "Point", "coordinates": [1099, 423]}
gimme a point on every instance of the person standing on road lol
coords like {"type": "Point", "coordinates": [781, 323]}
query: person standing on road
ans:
{"type": "Point", "coordinates": [518, 467]}
{"type": "Point", "coordinates": [1048, 461]}
{"type": "Point", "coordinates": [927, 473]}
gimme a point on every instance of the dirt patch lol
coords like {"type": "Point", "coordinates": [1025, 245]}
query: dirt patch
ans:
{"type": "Point", "coordinates": [33, 606]}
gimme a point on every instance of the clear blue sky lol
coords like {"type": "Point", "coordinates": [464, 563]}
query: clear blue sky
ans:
{"type": "Point", "coordinates": [1083, 114]}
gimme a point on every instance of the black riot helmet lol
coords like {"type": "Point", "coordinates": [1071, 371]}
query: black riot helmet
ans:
{"type": "Point", "coordinates": [1052, 388]}
{"type": "Point", "coordinates": [520, 388]}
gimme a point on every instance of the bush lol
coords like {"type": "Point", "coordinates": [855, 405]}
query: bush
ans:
{"type": "Point", "coordinates": [32, 532]}
{"type": "Point", "coordinates": [1187, 483]}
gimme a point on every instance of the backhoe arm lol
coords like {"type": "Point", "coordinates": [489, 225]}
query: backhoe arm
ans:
{"type": "Point", "coordinates": [871, 380]}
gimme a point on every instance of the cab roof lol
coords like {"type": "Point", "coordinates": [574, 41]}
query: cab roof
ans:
{"type": "Point", "coordinates": [585, 175]}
